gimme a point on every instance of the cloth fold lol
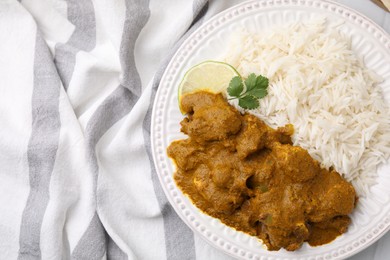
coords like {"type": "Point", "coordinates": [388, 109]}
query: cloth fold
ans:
{"type": "Point", "coordinates": [77, 85]}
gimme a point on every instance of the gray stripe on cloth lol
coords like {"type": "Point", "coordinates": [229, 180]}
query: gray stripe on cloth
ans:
{"type": "Point", "coordinates": [113, 251]}
{"type": "Point", "coordinates": [119, 103]}
{"type": "Point", "coordinates": [82, 15]}
{"type": "Point", "coordinates": [94, 246]}
{"type": "Point", "coordinates": [137, 14]}
{"type": "Point", "coordinates": [42, 148]}
{"type": "Point", "coordinates": [199, 9]}
{"type": "Point", "coordinates": [179, 239]}
{"type": "Point", "coordinates": [114, 107]}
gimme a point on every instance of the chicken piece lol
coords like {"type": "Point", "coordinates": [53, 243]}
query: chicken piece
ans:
{"type": "Point", "coordinates": [284, 133]}
{"type": "Point", "coordinates": [186, 154]}
{"type": "Point", "coordinates": [252, 137]}
{"type": "Point", "coordinates": [281, 214]}
{"type": "Point", "coordinates": [190, 103]}
{"type": "Point", "coordinates": [324, 232]}
{"type": "Point", "coordinates": [280, 135]}
{"type": "Point", "coordinates": [331, 196]}
{"type": "Point", "coordinates": [223, 200]}
{"type": "Point", "coordinates": [278, 225]}
{"type": "Point", "coordinates": [222, 176]}
{"type": "Point", "coordinates": [291, 239]}
{"type": "Point", "coordinates": [263, 167]}
{"type": "Point", "coordinates": [212, 119]}
{"type": "Point", "coordinates": [295, 162]}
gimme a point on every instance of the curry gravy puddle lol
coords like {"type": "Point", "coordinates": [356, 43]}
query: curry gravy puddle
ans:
{"type": "Point", "coordinates": [237, 169]}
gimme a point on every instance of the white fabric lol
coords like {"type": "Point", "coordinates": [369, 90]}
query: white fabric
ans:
{"type": "Point", "coordinates": [76, 83]}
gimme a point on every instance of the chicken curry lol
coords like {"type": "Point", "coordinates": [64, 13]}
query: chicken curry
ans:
{"type": "Point", "coordinates": [236, 168]}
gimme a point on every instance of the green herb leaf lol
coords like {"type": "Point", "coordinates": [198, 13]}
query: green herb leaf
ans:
{"type": "Point", "coordinates": [248, 102]}
{"type": "Point", "coordinates": [261, 82]}
{"type": "Point", "coordinates": [250, 82]}
{"type": "Point", "coordinates": [258, 92]}
{"type": "Point", "coordinates": [235, 87]}
{"type": "Point", "coordinates": [248, 97]}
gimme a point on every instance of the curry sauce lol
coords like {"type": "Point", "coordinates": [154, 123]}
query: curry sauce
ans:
{"type": "Point", "coordinates": [236, 168]}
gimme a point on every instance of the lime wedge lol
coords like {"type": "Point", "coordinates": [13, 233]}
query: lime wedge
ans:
{"type": "Point", "coordinates": [211, 76]}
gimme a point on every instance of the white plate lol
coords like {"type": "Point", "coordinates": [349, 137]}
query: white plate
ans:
{"type": "Point", "coordinates": [370, 220]}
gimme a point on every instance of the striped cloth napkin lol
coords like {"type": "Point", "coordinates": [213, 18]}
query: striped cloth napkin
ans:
{"type": "Point", "coordinates": [77, 84]}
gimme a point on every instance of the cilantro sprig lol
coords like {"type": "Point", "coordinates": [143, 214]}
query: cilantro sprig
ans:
{"type": "Point", "coordinates": [248, 92]}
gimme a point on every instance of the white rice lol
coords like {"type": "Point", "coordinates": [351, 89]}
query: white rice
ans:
{"type": "Point", "coordinates": [318, 84]}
